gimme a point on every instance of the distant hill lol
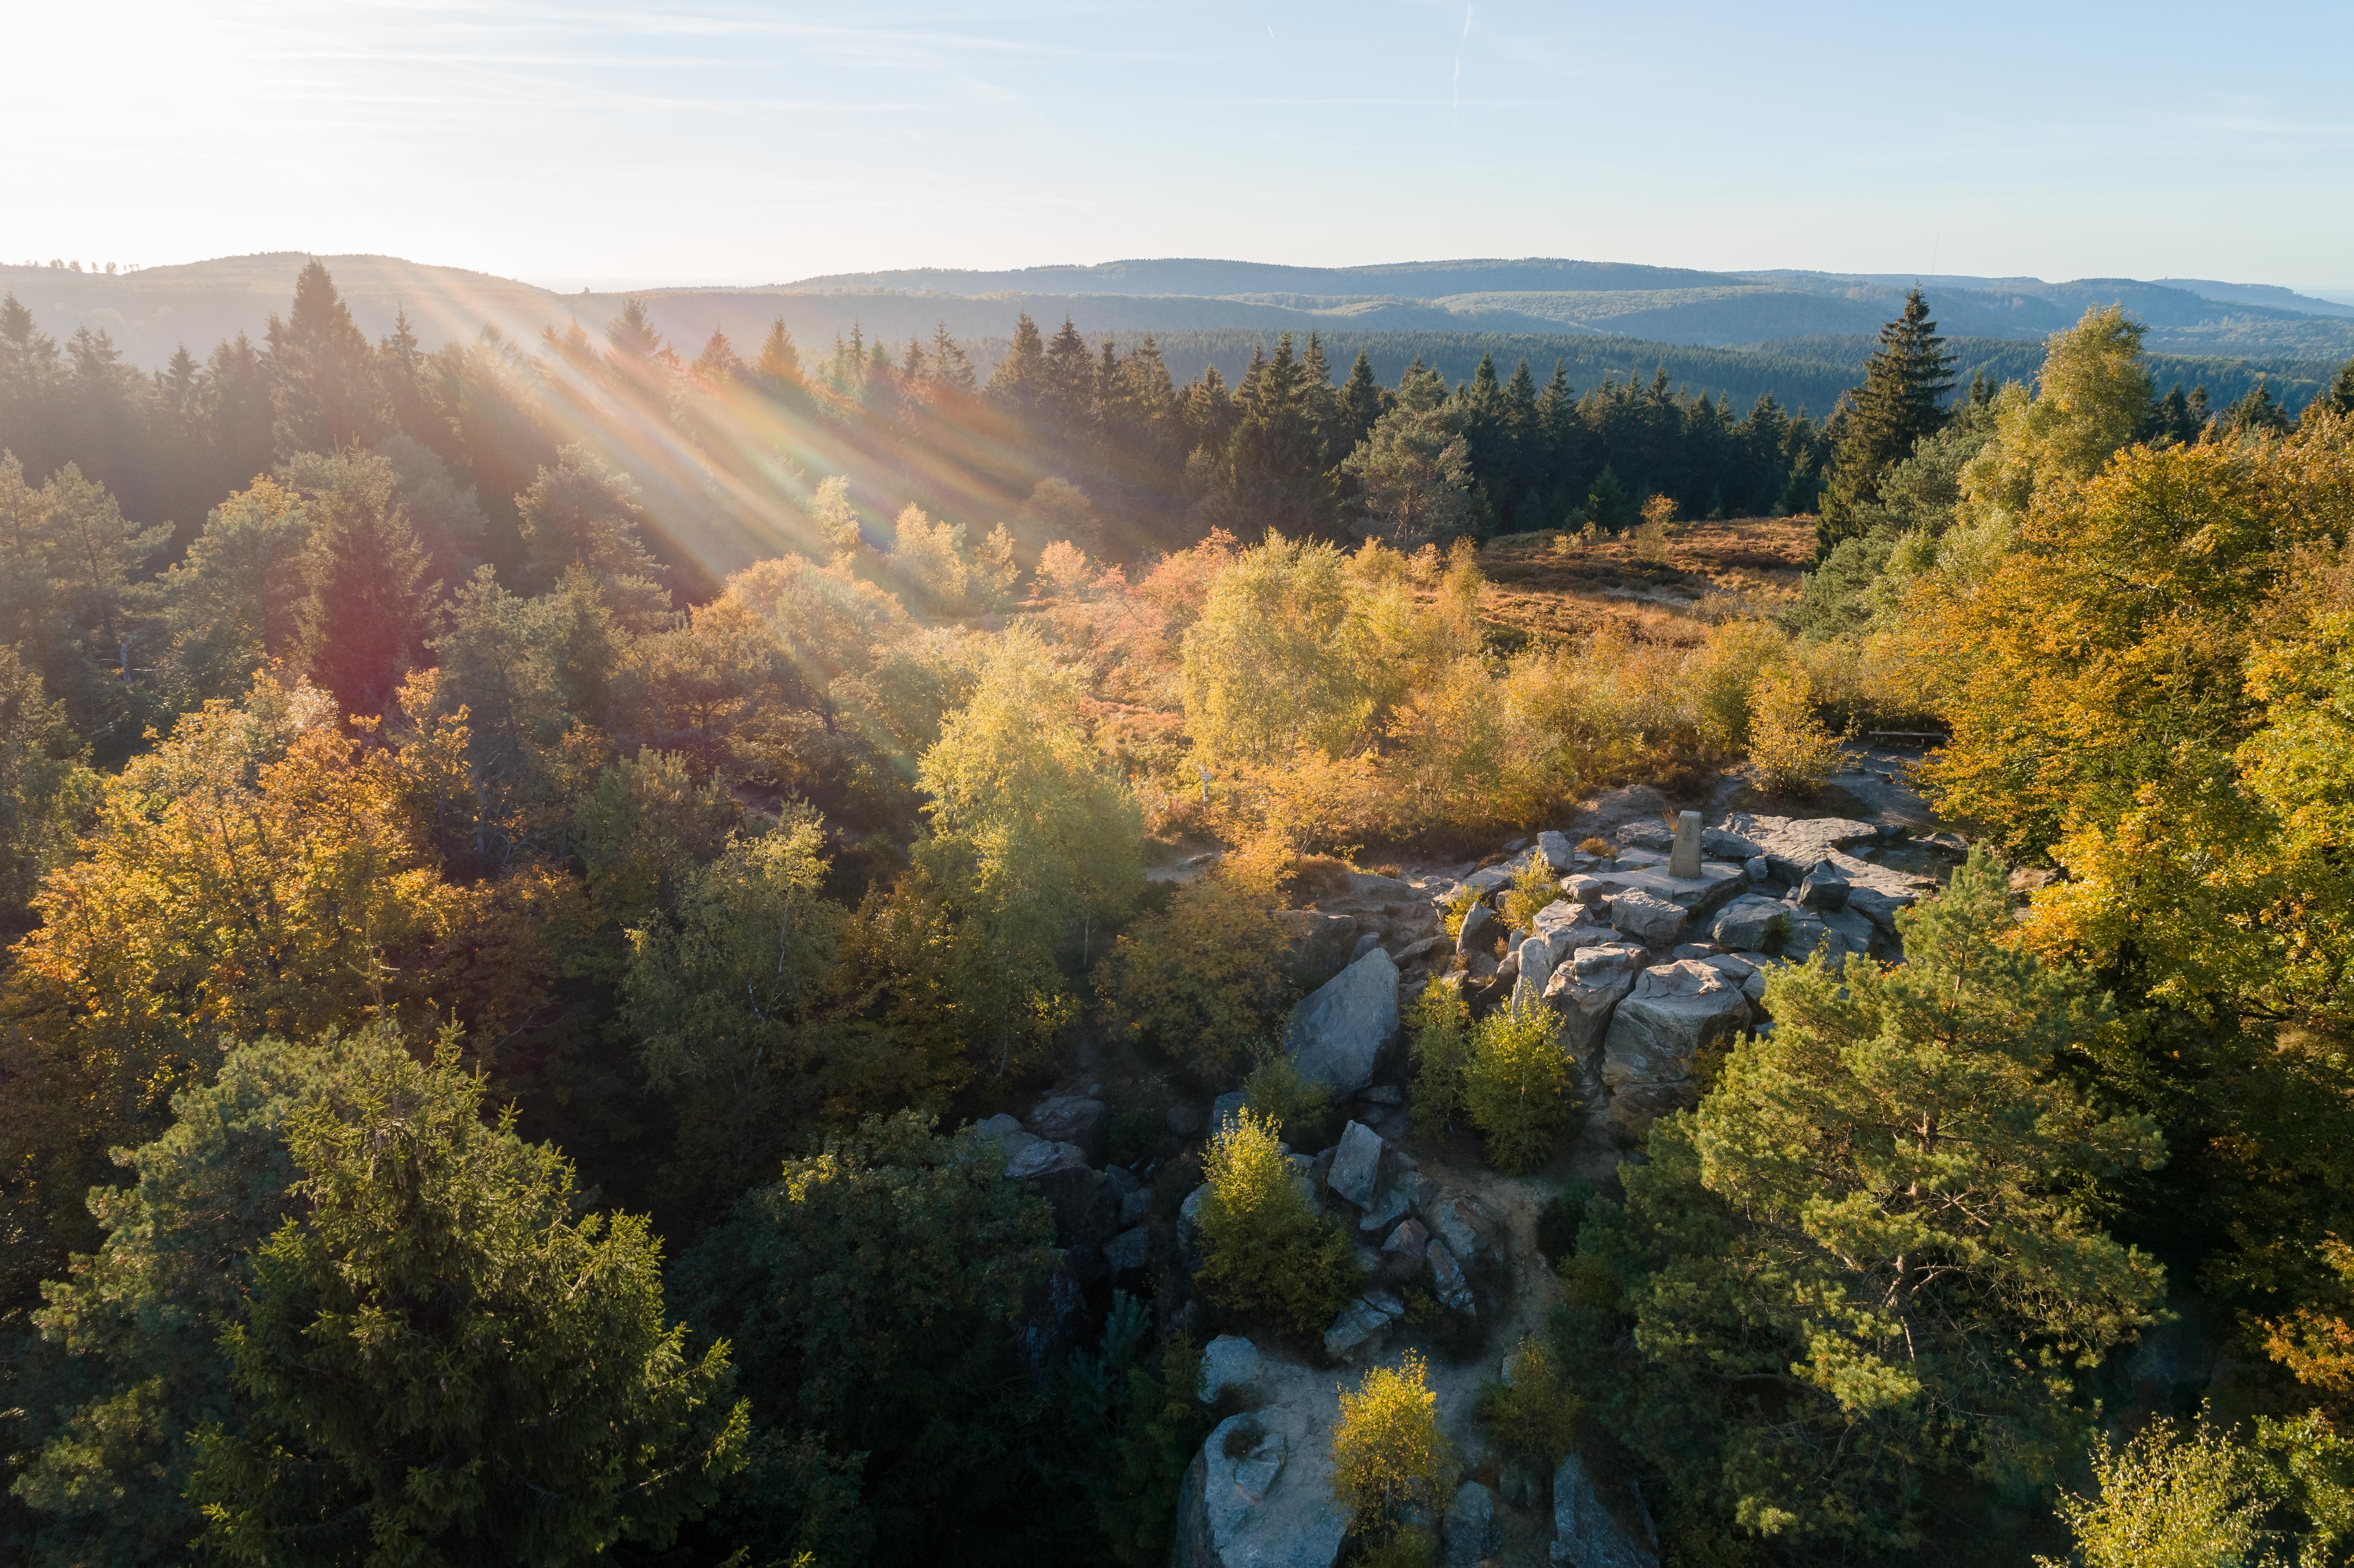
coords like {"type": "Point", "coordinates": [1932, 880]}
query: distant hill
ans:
{"type": "Point", "coordinates": [1636, 310]}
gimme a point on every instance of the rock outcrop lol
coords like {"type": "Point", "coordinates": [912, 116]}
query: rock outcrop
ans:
{"type": "Point", "coordinates": [1587, 989]}
{"type": "Point", "coordinates": [1586, 1534]}
{"type": "Point", "coordinates": [1674, 1011]}
{"type": "Point", "coordinates": [1317, 944]}
{"type": "Point", "coordinates": [1258, 1496]}
{"type": "Point", "coordinates": [1337, 1034]}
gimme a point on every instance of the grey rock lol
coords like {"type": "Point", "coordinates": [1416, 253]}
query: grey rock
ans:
{"type": "Point", "coordinates": [1384, 1094]}
{"type": "Point", "coordinates": [1229, 1362]}
{"type": "Point", "coordinates": [1483, 883]}
{"type": "Point", "coordinates": [1586, 989]}
{"type": "Point", "coordinates": [1586, 889]}
{"type": "Point", "coordinates": [1555, 849]}
{"type": "Point", "coordinates": [1470, 1526]}
{"type": "Point", "coordinates": [1414, 1186]}
{"type": "Point", "coordinates": [1683, 857]}
{"type": "Point", "coordinates": [1366, 943]}
{"type": "Point", "coordinates": [1823, 887]}
{"type": "Point", "coordinates": [1409, 1241]}
{"type": "Point", "coordinates": [1510, 969]}
{"type": "Point", "coordinates": [1646, 919]}
{"type": "Point", "coordinates": [1254, 1508]}
{"type": "Point", "coordinates": [1537, 956]}
{"type": "Point", "coordinates": [1674, 1011]}
{"type": "Point", "coordinates": [1189, 1229]}
{"type": "Point", "coordinates": [1427, 947]}
{"type": "Point", "coordinates": [1134, 1206]}
{"type": "Point", "coordinates": [1129, 1251]}
{"type": "Point", "coordinates": [1388, 1209]}
{"type": "Point", "coordinates": [1805, 934]}
{"type": "Point", "coordinates": [1757, 868]}
{"type": "Point", "coordinates": [1447, 1274]}
{"type": "Point", "coordinates": [1041, 1157]}
{"type": "Point", "coordinates": [1853, 927]}
{"type": "Point", "coordinates": [1745, 972]}
{"type": "Point", "coordinates": [1073, 1118]}
{"type": "Point", "coordinates": [1482, 925]}
{"type": "Point", "coordinates": [1357, 1166]}
{"type": "Point", "coordinates": [1335, 1035]}
{"type": "Point", "coordinates": [1223, 1109]}
{"type": "Point", "coordinates": [1362, 1322]}
{"type": "Point", "coordinates": [1752, 920]}
{"type": "Point", "coordinates": [1457, 1220]}
{"type": "Point", "coordinates": [1184, 1118]}
{"type": "Point", "coordinates": [1717, 844]}
{"type": "Point", "coordinates": [1585, 1534]}
{"type": "Point", "coordinates": [1881, 908]}
{"type": "Point", "coordinates": [1647, 835]}
{"type": "Point", "coordinates": [1519, 1484]}
{"type": "Point", "coordinates": [1317, 944]}
{"type": "Point", "coordinates": [999, 1126]}
{"type": "Point", "coordinates": [1638, 859]}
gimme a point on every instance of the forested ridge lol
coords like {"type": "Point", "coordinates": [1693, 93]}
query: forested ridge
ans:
{"type": "Point", "coordinates": [532, 871]}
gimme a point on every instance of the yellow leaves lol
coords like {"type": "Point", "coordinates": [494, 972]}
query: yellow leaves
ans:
{"type": "Point", "coordinates": [1389, 1456]}
{"type": "Point", "coordinates": [1788, 747]}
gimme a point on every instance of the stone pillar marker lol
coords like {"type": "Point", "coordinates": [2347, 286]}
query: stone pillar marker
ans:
{"type": "Point", "coordinates": [1683, 861]}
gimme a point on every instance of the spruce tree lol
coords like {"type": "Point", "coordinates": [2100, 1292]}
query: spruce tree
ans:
{"type": "Point", "coordinates": [324, 384]}
{"type": "Point", "coordinates": [1361, 400]}
{"type": "Point", "coordinates": [1901, 400]}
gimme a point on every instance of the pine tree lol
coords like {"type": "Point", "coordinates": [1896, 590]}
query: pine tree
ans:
{"type": "Point", "coordinates": [324, 384]}
{"type": "Point", "coordinates": [1019, 380]}
{"type": "Point", "coordinates": [780, 360]}
{"type": "Point", "coordinates": [2339, 397]}
{"type": "Point", "coordinates": [1902, 399]}
{"type": "Point", "coordinates": [371, 607]}
{"type": "Point", "coordinates": [1361, 400]}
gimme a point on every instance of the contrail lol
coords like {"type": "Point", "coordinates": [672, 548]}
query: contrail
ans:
{"type": "Point", "coordinates": [1459, 64]}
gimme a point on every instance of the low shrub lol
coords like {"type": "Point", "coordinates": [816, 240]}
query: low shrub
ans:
{"type": "Point", "coordinates": [1532, 1413]}
{"type": "Point", "coordinates": [1516, 1087]}
{"type": "Point", "coordinates": [1439, 1043]}
{"type": "Point", "coordinates": [1266, 1254]}
{"type": "Point", "coordinates": [1391, 1463]}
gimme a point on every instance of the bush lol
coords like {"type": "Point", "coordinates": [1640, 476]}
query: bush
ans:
{"type": "Point", "coordinates": [1534, 886]}
{"type": "Point", "coordinates": [1202, 980]}
{"type": "Point", "coordinates": [1267, 1254]}
{"type": "Point", "coordinates": [1390, 1460]}
{"type": "Point", "coordinates": [1558, 1221]}
{"type": "Point", "coordinates": [1289, 1101]}
{"type": "Point", "coordinates": [1517, 1085]}
{"type": "Point", "coordinates": [1438, 1039]}
{"type": "Point", "coordinates": [2166, 1501]}
{"type": "Point", "coordinates": [1789, 747]}
{"type": "Point", "coordinates": [1532, 1412]}
{"type": "Point", "coordinates": [1458, 905]}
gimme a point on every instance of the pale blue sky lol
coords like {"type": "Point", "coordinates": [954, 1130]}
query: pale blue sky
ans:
{"type": "Point", "coordinates": [580, 140]}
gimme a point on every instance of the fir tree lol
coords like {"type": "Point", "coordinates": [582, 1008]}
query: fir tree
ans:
{"type": "Point", "coordinates": [1901, 400]}
{"type": "Point", "coordinates": [780, 359]}
{"type": "Point", "coordinates": [325, 388]}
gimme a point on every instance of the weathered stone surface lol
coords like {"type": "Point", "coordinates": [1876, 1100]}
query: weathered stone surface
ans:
{"type": "Point", "coordinates": [1647, 834]}
{"type": "Point", "coordinates": [1427, 947]}
{"type": "Point", "coordinates": [1555, 850]}
{"type": "Point", "coordinates": [1857, 931]}
{"type": "Point", "coordinates": [1228, 1361]}
{"type": "Point", "coordinates": [1362, 1322]}
{"type": "Point", "coordinates": [1748, 975]}
{"type": "Point", "coordinates": [1752, 920]}
{"type": "Point", "coordinates": [1127, 1251]}
{"type": "Point", "coordinates": [1409, 1241]}
{"type": "Point", "coordinates": [1482, 925]}
{"type": "Point", "coordinates": [1538, 954]}
{"type": "Point", "coordinates": [1646, 919]}
{"type": "Point", "coordinates": [1388, 1209]}
{"type": "Point", "coordinates": [1470, 1526]}
{"type": "Point", "coordinates": [1793, 845]}
{"type": "Point", "coordinates": [1683, 854]}
{"type": "Point", "coordinates": [1673, 1012]}
{"type": "Point", "coordinates": [1717, 844]}
{"type": "Point", "coordinates": [1041, 1157]}
{"type": "Point", "coordinates": [1484, 882]}
{"type": "Point", "coordinates": [1073, 1118]}
{"type": "Point", "coordinates": [1458, 1219]}
{"type": "Point", "coordinates": [1223, 1109]}
{"type": "Point", "coordinates": [1758, 869]}
{"type": "Point", "coordinates": [1586, 889]}
{"type": "Point", "coordinates": [1447, 1274]}
{"type": "Point", "coordinates": [1184, 1118]}
{"type": "Point", "coordinates": [1823, 887]}
{"type": "Point", "coordinates": [1266, 1504]}
{"type": "Point", "coordinates": [1877, 907]}
{"type": "Point", "coordinates": [1357, 1165]}
{"type": "Point", "coordinates": [1585, 991]}
{"type": "Point", "coordinates": [1189, 1229]}
{"type": "Point", "coordinates": [1335, 1034]}
{"type": "Point", "coordinates": [1586, 1533]}
{"type": "Point", "coordinates": [1316, 945]}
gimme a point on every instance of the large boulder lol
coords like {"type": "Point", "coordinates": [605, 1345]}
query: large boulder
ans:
{"type": "Point", "coordinates": [1074, 1119]}
{"type": "Point", "coordinates": [1586, 989]}
{"type": "Point", "coordinates": [1361, 1324]}
{"type": "Point", "coordinates": [1482, 925]}
{"type": "Point", "coordinates": [1556, 850]}
{"type": "Point", "coordinates": [1751, 921]}
{"type": "Point", "coordinates": [1086, 1209]}
{"type": "Point", "coordinates": [1317, 944]}
{"type": "Point", "coordinates": [1674, 1011]}
{"type": "Point", "coordinates": [1881, 908]}
{"type": "Point", "coordinates": [1357, 1165]}
{"type": "Point", "coordinates": [1229, 1362]}
{"type": "Point", "coordinates": [1258, 1497]}
{"type": "Point", "coordinates": [1823, 887]}
{"type": "Point", "coordinates": [1586, 1534]}
{"type": "Point", "coordinates": [1470, 1526]}
{"type": "Point", "coordinates": [1336, 1034]}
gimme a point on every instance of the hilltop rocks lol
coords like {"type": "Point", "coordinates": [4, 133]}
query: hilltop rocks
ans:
{"type": "Point", "coordinates": [1823, 887]}
{"type": "Point", "coordinates": [1470, 1526]}
{"type": "Point", "coordinates": [1357, 1165]}
{"type": "Point", "coordinates": [1257, 1496]}
{"type": "Point", "coordinates": [1674, 1011]}
{"type": "Point", "coordinates": [1481, 926]}
{"type": "Point", "coordinates": [1335, 1034]}
{"type": "Point", "coordinates": [1751, 921]}
{"type": "Point", "coordinates": [1585, 992]}
{"type": "Point", "coordinates": [1362, 1322]}
{"type": "Point", "coordinates": [1647, 920]}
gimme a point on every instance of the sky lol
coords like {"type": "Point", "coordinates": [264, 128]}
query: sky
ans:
{"type": "Point", "coordinates": [574, 142]}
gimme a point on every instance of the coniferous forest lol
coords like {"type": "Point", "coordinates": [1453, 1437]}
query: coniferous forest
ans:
{"type": "Point", "coordinates": [745, 953]}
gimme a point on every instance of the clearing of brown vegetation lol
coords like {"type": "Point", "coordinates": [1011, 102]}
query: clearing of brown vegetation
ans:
{"type": "Point", "coordinates": [1557, 586]}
